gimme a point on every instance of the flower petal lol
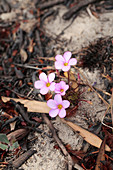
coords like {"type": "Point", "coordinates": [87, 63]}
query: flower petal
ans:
{"type": "Point", "coordinates": [52, 86]}
{"type": "Point", "coordinates": [52, 104]}
{"type": "Point", "coordinates": [57, 91]}
{"type": "Point", "coordinates": [58, 99]}
{"type": "Point", "coordinates": [66, 68]}
{"type": "Point", "coordinates": [57, 87]}
{"type": "Point", "coordinates": [58, 64]}
{"type": "Point", "coordinates": [65, 103]}
{"type": "Point", "coordinates": [67, 56]}
{"type": "Point", "coordinates": [62, 84]}
{"type": "Point", "coordinates": [53, 112]}
{"type": "Point", "coordinates": [43, 77]}
{"type": "Point", "coordinates": [44, 90]}
{"type": "Point", "coordinates": [73, 61]}
{"type": "Point", "coordinates": [51, 77]}
{"type": "Point", "coordinates": [62, 113]}
{"type": "Point", "coordinates": [59, 58]}
{"type": "Point", "coordinates": [39, 84]}
{"type": "Point", "coordinates": [66, 87]}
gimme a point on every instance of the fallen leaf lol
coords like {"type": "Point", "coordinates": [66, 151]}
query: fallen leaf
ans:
{"type": "Point", "coordinates": [88, 136]}
{"type": "Point", "coordinates": [24, 55]}
{"type": "Point", "coordinates": [101, 155]}
{"type": "Point", "coordinates": [32, 105]}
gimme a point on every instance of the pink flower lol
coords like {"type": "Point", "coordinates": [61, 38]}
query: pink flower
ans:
{"type": "Point", "coordinates": [58, 106]}
{"type": "Point", "coordinates": [61, 88]}
{"type": "Point", "coordinates": [45, 83]}
{"type": "Point", "coordinates": [64, 62]}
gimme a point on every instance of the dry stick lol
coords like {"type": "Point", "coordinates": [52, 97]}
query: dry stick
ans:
{"type": "Point", "coordinates": [70, 162]}
{"type": "Point", "coordinates": [91, 86]}
{"type": "Point", "coordinates": [77, 7]}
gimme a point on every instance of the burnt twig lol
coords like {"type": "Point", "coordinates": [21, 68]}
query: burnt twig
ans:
{"type": "Point", "coordinates": [23, 113]}
{"type": "Point", "coordinates": [19, 161]}
{"type": "Point", "coordinates": [50, 4]}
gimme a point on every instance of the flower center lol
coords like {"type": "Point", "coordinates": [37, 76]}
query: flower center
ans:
{"type": "Point", "coordinates": [47, 84]}
{"type": "Point", "coordinates": [65, 64]}
{"type": "Point", "coordinates": [59, 106]}
{"type": "Point", "coordinates": [61, 90]}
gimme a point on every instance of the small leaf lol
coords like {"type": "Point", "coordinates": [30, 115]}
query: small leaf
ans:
{"type": "Point", "coordinates": [3, 146]}
{"type": "Point", "coordinates": [3, 138]}
{"type": "Point", "coordinates": [14, 146]}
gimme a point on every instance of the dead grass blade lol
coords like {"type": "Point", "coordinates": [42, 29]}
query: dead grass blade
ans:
{"type": "Point", "coordinates": [88, 136]}
{"type": "Point", "coordinates": [32, 105]}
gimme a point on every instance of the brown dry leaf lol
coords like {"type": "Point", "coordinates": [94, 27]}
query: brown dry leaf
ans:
{"type": "Point", "coordinates": [101, 156]}
{"type": "Point", "coordinates": [72, 80]}
{"type": "Point", "coordinates": [32, 105]}
{"type": "Point", "coordinates": [23, 55]}
{"type": "Point", "coordinates": [88, 136]}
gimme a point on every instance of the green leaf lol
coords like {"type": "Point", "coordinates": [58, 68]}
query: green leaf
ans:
{"type": "Point", "coordinates": [3, 146]}
{"type": "Point", "coordinates": [14, 146]}
{"type": "Point", "coordinates": [3, 138]}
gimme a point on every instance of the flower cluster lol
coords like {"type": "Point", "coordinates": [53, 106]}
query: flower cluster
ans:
{"type": "Point", "coordinates": [46, 83]}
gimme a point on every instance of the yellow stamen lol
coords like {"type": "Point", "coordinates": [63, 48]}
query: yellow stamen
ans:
{"type": "Point", "coordinates": [62, 90]}
{"type": "Point", "coordinates": [59, 106]}
{"type": "Point", "coordinates": [47, 84]}
{"type": "Point", "coordinates": [65, 64]}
